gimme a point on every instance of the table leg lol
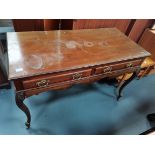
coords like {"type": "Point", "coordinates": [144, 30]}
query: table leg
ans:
{"type": "Point", "coordinates": [19, 101]}
{"type": "Point", "coordinates": [124, 83]}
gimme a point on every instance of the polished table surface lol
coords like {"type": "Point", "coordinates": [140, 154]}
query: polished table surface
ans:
{"type": "Point", "coordinates": [35, 53]}
{"type": "Point", "coordinates": [49, 60]}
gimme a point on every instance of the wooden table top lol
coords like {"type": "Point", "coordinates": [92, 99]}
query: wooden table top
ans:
{"type": "Point", "coordinates": [40, 52]}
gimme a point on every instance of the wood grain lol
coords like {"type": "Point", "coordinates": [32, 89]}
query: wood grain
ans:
{"type": "Point", "coordinates": [139, 27]}
{"type": "Point", "coordinates": [35, 53]}
{"type": "Point", "coordinates": [121, 24]}
{"type": "Point", "coordinates": [147, 41]}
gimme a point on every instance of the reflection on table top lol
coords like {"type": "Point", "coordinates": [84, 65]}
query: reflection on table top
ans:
{"type": "Point", "coordinates": [38, 52]}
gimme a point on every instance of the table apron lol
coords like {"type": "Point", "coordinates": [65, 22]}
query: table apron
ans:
{"type": "Point", "coordinates": [66, 84]}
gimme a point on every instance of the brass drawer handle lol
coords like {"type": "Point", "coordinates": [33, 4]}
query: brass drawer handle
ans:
{"type": "Point", "coordinates": [77, 76]}
{"type": "Point", "coordinates": [107, 69]}
{"type": "Point", "coordinates": [42, 83]}
{"type": "Point", "coordinates": [129, 65]}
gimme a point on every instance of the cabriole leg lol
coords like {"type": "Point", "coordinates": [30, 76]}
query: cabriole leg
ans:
{"type": "Point", "coordinates": [124, 83]}
{"type": "Point", "coordinates": [19, 101]}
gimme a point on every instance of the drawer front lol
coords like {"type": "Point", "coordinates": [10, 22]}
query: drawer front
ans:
{"type": "Point", "coordinates": [47, 80]}
{"type": "Point", "coordinates": [109, 68]}
{"type": "Point", "coordinates": [40, 90]}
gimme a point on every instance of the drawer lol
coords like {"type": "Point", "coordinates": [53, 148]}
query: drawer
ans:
{"type": "Point", "coordinates": [47, 80]}
{"type": "Point", "coordinates": [109, 68]}
{"type": "Point", "coordinates": [40, 90]}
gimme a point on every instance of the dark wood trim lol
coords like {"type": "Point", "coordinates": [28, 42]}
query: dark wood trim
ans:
{"type": "Point", "coordinates": [4, 83]}
{"type": "Point", "coordinates": [67, 24]}
{"type": "Point", "coordinates": [132, 22]}
{"type": "Point", "coordinates": [28, 25]}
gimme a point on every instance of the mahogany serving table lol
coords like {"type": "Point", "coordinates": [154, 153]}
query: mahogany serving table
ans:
{"type": "Point", "coordinates": [47, 60]}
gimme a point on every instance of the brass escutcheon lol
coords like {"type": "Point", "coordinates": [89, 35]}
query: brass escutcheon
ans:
{"type": "Point", "coordinates": [107, 69]}
{"type": "Point", "coordinates": [129, 65]}
{"type": "Point", "coordinates": [42, 83]}
{"type": "Point", "coordinates": [77, 76]}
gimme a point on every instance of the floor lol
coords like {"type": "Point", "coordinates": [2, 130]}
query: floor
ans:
{"type": "Point", "coordinates": [82, 109]}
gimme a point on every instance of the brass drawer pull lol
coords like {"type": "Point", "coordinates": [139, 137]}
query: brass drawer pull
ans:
{"type": "Point", "coordinates": [107, 69]}
{"type": "Point", "coordinates": [129, 65]}
{"type": "Point", "coordinates": [77, 76]}
{"type": "Point", "coordinates": [42, 83]}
